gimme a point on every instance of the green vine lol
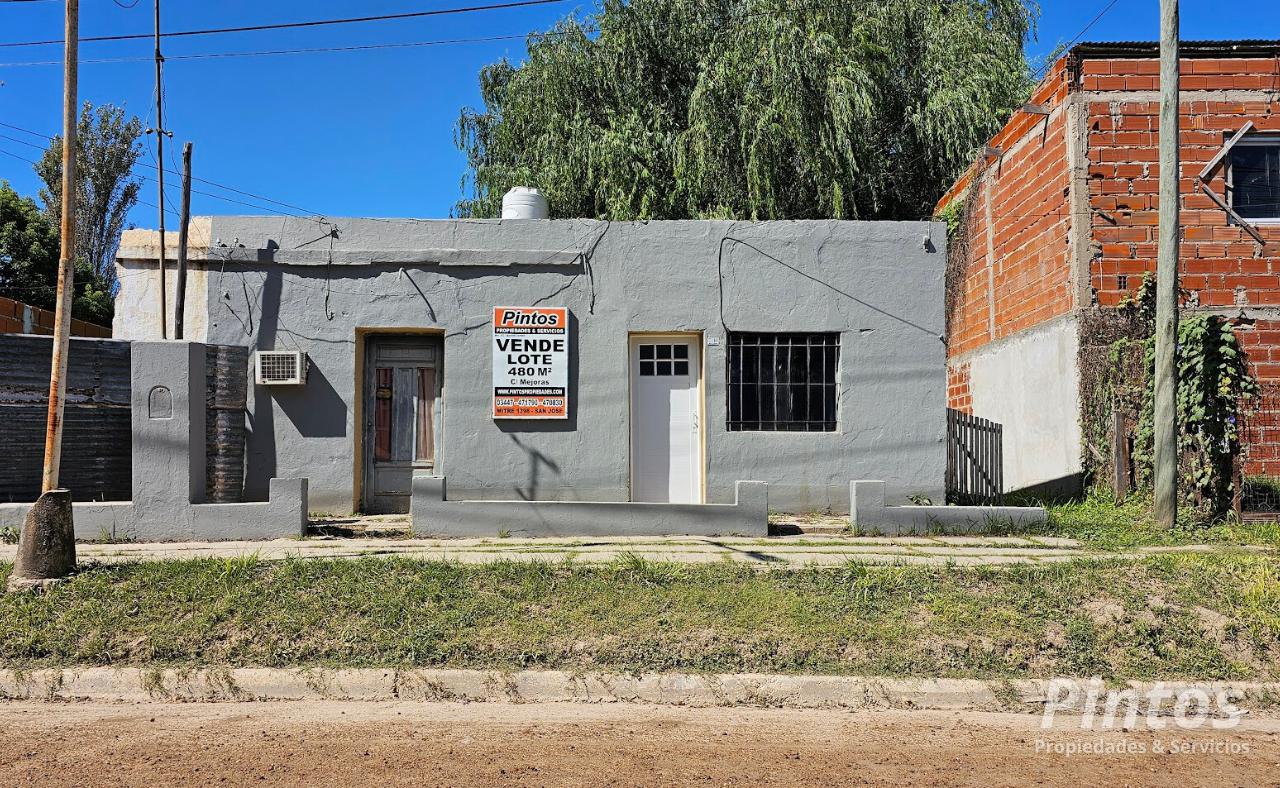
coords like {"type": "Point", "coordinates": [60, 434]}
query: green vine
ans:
{"type": "Point", "coordinates": [1214, 383]}
{"type": "Point", "coordinates": [957, 215]}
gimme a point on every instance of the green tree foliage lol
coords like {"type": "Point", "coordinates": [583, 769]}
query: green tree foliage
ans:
{"type": "Point", "coordinates": [107, 149]}
{"type": "Point", "coordinates": [28, 251]}
{"type": "Point", "coordinates": [29, 262]}
{"type": "Point", "coordinates": [673, 109]}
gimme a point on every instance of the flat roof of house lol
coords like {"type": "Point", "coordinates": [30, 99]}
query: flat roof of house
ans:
{"type": "Point", "coordinates": [1252, 47]}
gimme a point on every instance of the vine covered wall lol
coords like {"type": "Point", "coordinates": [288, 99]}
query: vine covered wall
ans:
{"type": "Point", "coordinates": [1215, 389]}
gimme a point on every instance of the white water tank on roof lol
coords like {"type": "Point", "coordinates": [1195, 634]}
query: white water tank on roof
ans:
{"type": "Point", "coordinates": [524, 202]}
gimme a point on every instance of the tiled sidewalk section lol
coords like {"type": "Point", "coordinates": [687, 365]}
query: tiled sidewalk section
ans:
{"type": "Point", "coordinates": [773, 552]}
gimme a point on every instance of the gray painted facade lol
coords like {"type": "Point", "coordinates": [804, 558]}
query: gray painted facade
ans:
{"type": "Point", "coordinates": [281, 283]}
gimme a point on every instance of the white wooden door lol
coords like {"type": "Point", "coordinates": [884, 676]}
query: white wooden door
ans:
{"type": "Point", "coordinates": [666, 419]}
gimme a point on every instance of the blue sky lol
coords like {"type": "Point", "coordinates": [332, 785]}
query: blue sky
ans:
{"type": "Point", "coordinates": [362, 133]}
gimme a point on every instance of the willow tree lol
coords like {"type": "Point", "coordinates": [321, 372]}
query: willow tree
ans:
{"type": "Point", "coordinates": [761, 109]}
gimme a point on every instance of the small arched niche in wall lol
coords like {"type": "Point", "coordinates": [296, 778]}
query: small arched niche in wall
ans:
{"type": "Point", "coordinates": [160, 403]}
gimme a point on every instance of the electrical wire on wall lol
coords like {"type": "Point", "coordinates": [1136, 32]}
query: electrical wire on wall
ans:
{"type": "Point", "coordinates": [727, 239]}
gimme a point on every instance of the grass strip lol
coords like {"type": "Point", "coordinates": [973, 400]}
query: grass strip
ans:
{"type": "Point", "coordinates": [1168, 617]}
{"type": "Point", "coordinates": [1100, 524]}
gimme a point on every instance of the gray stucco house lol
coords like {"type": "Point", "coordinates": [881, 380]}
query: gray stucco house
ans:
{"type": "Point", "coordinates": [647, 361]}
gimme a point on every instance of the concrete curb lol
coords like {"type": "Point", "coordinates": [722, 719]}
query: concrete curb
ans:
{"type": "Point", "coordinates": [220, 684]}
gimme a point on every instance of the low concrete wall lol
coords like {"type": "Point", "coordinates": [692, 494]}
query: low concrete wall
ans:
{"type": "Point", "coordinates": [435, 515]}
{"type": "Point", "coordinates": [869, 515]}
{"type": "Point", "coordinates": [167, 381]}
{"type": "Point", "coordinates": [284, 515]}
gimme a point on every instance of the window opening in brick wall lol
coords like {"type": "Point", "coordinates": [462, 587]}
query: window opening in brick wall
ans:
{"type": "Point", "coordinates": [783, 382]}
{"type": "Point", "coordinates": [1254, 177]}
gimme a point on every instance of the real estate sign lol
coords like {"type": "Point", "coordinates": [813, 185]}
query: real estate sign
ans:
{"type": "Point", "coordinates": [530, 362]}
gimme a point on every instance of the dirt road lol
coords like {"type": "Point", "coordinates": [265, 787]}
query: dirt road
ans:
{"type": "Point", "coordinates": [352, 743]}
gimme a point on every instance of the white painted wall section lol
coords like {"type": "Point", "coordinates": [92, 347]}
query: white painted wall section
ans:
{"type": "Point", "coordinates": [1030, 383]}
{"type": "Point", "coordinates": [138, 300]}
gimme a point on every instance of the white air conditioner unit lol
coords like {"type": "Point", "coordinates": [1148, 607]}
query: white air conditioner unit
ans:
{"type": "Point", "coordinates": [281, 367]}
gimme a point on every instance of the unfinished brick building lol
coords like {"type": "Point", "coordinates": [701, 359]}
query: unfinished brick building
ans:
{"type": "Point", "coordinates": [1059, 217]}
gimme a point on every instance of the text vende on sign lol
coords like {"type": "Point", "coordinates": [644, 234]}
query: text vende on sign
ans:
{"type": "Point", "coordinates": [530, 362]}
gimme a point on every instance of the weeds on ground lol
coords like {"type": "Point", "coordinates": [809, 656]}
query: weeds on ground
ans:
{"type": "Point", "coordinates": [1171, 616]}
{"type": "Point", "coordinates": [1098, 522]}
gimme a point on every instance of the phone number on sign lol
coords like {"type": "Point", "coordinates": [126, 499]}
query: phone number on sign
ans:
{"type": "Point", "coordinates": [530, 403]}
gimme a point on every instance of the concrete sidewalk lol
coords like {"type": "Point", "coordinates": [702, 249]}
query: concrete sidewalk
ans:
{"type": "Point", "coordinates": [774, 552]}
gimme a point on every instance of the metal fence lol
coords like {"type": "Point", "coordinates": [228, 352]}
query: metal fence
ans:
{"type": "Point", "coordinates": [975, 460]}
{"type": "Point", "coordinates": [97, 462]}
{"type": "Point", "coordinates": [97, 440]}
{"type": "Point", "coordinates": [1260, 454]}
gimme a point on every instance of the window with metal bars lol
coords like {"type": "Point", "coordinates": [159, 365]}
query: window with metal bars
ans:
{"type": "Point", "coordinates": [783, 382]}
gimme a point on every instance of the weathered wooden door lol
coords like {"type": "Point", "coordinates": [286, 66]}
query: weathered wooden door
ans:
{"type": "Point", "coordinates": [401, 414]}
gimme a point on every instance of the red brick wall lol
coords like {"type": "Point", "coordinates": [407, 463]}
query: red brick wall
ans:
{"type": "Point", "coordinates": [1197, 74]}
{"type": "Point", "coordinates": [1261, 429]}
{"type": "Point", "coordinates": [42, 321]}
{"type": "Point", "coordinates": [1027, 279]}
{"type": "Point", "coordinates": [958, 395]}
{"type": "Point", "coordinates": [1221, 265]}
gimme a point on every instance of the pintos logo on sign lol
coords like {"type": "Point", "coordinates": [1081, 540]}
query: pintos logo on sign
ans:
{"type": "Point", "coordinates": [530, 362]}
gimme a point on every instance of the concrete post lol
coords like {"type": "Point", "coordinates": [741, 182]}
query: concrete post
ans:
{"type": "Point", "coordinates": [47, 547]}
{"type": "Point", "coordinates": [866, 503]}
{"type": "Point", "coordinates": [752, 500]}
{"type": "Point", "coordinates": [1165, 420]}
{"type": "Point", "coordinates": [168, 426]}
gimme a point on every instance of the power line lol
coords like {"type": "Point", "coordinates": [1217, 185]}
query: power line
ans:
{"type": "Point", "coordinates": [34, 162]}
{"type": "Point", "coordinates": [306, 213]}
{"type": "Point", "coordinates": [1044, 68]}
{"type": "Point", "coordinates": [168, 209]}
{"type": "Point", "coordinates": [291, 25]}
{"type": "Point", "coordinates": [579, 30]}
{"type": "Point", "coordinates": [302, 51]}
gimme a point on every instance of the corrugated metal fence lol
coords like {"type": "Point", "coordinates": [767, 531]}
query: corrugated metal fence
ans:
{"type": "Point", "coordinates": [97, 460]}
{"type": "Point", "coordinates": [975, 460]}
{"type": "Point", "coordinates": [96, 453]}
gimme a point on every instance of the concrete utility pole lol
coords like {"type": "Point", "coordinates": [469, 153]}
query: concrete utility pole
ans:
{"type": "Point", "coordinates": [1166, 370]}
{"type": "Point", "coordinates": [180, 300]}
{"type": "Point", "coordinates": [47, 544]}
{"type": "Point", "coordinates": [160, 133]}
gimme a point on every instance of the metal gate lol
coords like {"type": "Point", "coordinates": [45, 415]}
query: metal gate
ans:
{"type": "Point", "coordinates": [1258, 464]}
{"type": "Point", "coordinates": [975, 460]}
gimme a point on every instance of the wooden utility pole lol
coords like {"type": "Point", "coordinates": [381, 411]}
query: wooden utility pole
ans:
{"type": "Point", "coordinates": [180, 300]}
{"type": "Point", "coordinates": [66, 261]}
{"type": "Point", "coordinates": [47, 544]}
{"type": "Point", "coordinates": [160, 132]}
{"type": "Point", "coordinates": [1166, 370]}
